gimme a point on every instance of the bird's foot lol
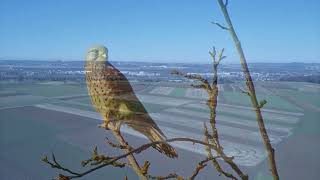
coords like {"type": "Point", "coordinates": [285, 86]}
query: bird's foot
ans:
{"type": "Point", "coordinates": [104, 125]}
{"type": "Point", "coordinates": [111, 125]}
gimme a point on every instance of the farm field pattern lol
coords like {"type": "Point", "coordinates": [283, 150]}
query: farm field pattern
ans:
{"type": "Point", "coordinates": [180, 112]}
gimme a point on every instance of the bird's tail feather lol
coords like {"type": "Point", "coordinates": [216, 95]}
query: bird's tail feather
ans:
{"type": "Point", "coordinates": [146, 126]}
{"type": "Point", "coordinates": [154, 135]}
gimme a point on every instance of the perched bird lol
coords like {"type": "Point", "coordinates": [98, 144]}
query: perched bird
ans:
{"type": "Point", "coordinates": [113, 97]}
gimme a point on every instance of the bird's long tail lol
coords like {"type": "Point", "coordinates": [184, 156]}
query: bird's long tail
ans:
{"type": "Point", "coordinates": [154, 135]}
{"type": "Point", "coordinates": [145, 125]}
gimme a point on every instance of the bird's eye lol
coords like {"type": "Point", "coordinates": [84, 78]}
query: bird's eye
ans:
{"type": "Point", "coordinates": [92, 54]}
{"type": "Point", "coordinates": [93, 51]}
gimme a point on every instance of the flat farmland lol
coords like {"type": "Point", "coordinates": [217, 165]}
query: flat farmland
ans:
{"type": "Point", "coordinates": [162, 90]}
{"type": "Point", "coordinates": [34, 136]}
{"type": "Point", "coordinates": [38, 119]}
{"type": "Point", "coordinates": [47, 89]}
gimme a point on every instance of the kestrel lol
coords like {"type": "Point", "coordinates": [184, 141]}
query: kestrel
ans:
{"type": "Point", "coordinates": [113, 97]}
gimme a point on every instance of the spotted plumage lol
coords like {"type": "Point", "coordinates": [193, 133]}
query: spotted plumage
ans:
{"type": "Point", "coordinates": [113, 97]}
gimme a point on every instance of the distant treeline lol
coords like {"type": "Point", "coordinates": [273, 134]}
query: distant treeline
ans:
{"type": "Point", "coordinates": [311, 79]}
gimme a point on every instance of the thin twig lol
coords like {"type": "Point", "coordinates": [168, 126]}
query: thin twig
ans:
{"type": "Point", "coordinates": [226, 3]}
{"type": "Point", "coordinates": [132, 160]}
{"type": "Point", "coordinates": [169, 176]}
{"type": "Point", "coordinates": [97, 159]}
{"type": "Point", "coordinates": [204, 82]}
{"type": "Point", "coordinates": [214, 161]}
{"type": "Point", "coordinates": [57, 165]}
{"type": "Point", "coordinates": [244, 92]}
{"type": "Point", "coordinates": [114, 145]}
{"type": "Point", "coordinates": [220, 26]}
{"type": "Point", "coordinates": [201, 165]}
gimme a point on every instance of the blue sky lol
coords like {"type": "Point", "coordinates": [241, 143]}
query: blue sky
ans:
{"type": "Point", "coordinates": [159, 30]}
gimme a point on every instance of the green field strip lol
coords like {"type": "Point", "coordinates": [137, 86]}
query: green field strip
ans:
{"type": "Point", "coordinates": [312, 98]}
{"type": "Point", "coordinates": [86, 107]}
{"type": "Point", "coordinates": [85, 100]}
{"type": "Point", "coordinates": [178, 92]}
{"type": "Point", "coordinates": [23, 100]}
{"type": "Point", "coordinates": [240, 116]}
{"type": "Point", "coordinates": [85, 104]}
{"type": "Point", "coordinates": [48, 90]}
{"type": "Point", "coordinates": [274, 102]}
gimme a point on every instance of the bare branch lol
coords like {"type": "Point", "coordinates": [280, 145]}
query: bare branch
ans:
{"type": "Point", "coordinates": [251, 88]}
{"type": "Point", "coordinates": [57, 165]}
{"type": "Point", "coordinates": [145, 167]}
{"type": "Point", "coordinates": [220, 26]}
{"type": "Point", "coordinates": [201, 165]}
{"type": "Point", "coordinates": [130, 157]}
{"type": "Point", "coordinates": [170, 176]}
{"type": "Point", "coordinates": [113, 160]}
{"type": "Point", "coordinates": [190, 76]}
{"type": "Point", "coordinates": [97, 159]}
{"type": "Point", "coordinates": [214, 160]}
{"type": "Point", "coordinates": [226, 3]}
{"type": "Point", "coordinates": [114, 145]}
{"type": "Point", "coordinates": [204, 82]}
{"type": "Point", "coordinates": [244, 91]}
{"type": "Point", "coordinates": [220, 56]}
{"type": "Point", "coordinates": [213, 53]}
{"type": "Point", "coordinates": [214, 137]}
{"type": "Point", "coordinates": [198, 86]}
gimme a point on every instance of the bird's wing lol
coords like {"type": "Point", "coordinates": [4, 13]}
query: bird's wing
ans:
{"type": "Point", "coordinates": [122, 90]}
{"type": "Point", "coordinates": [139, 120]}
{"type": "Point", "coordinates": [127, 96]}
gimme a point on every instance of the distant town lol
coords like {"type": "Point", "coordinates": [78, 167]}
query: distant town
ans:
{"type": "Point", "coordinates": [18, 70]}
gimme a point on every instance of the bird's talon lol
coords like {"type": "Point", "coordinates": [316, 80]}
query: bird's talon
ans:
{"type": "Point", "coordinates": [104, 125]}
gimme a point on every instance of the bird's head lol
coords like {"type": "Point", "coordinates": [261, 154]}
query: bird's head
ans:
{"type": "Point", "coordinates": [97, 54]}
